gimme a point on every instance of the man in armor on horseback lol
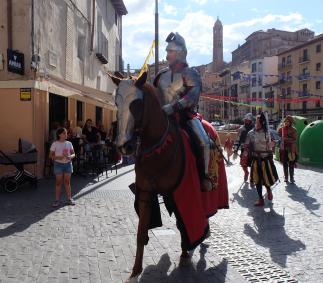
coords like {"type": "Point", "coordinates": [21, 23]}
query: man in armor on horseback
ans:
{"type": "Point", "coordinates": [180, 87]}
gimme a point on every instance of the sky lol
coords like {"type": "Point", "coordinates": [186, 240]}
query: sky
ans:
{"type": "Point", "coordinates": [194, 20]}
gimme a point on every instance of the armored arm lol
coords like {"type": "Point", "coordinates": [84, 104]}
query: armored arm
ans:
{"type": "Point", "coordinates": [189, 94]}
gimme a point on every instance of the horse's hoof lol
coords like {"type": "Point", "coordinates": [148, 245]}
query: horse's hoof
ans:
{"type": "Point", "coordinates": [185, 261]}
{"type": "Point", "coordinates": [132, 279]}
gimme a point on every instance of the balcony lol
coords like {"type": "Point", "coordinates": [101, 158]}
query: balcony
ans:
{"type": "Point", "coordinates": [102, 58]}
{"type": "Point", "coordinates": [287, 80]}
{"type": "Point", "coordinates": [303, 93]}
{"type": "Point", "coordinates": [303, 59]}
{"type": "Point", "coordinates": [304, 77]}
{"type": "Point", "coordinates": [284, 65]}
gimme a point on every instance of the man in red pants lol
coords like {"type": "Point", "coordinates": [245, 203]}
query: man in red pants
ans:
{"type": "Point", "coordinates": [242, 135]}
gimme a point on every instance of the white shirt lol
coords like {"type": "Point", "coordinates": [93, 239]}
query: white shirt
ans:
{"type": "Point", "coordinates": [59, 147]}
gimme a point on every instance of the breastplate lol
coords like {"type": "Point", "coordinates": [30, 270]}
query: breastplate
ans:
{"type": "Point", "coordinates": [169, 86]}
{"type": "Point", "coordinates": [260, 141]}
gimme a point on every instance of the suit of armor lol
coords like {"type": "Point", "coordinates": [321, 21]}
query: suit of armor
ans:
{"type": "Point", "coordinates": [180, 88]}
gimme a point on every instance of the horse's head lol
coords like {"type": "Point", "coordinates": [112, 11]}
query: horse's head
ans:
{"type": "Point", "coordinates": [129, 101]}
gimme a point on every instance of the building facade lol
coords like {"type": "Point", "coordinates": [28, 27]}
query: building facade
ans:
{"type": "Point", "coordinates": [269, 43]}
{"type": "Point", "coordinates": [209, 105]}
{"type": "Point", "coordinates": [55, 56]}
{"type": "Point", "coordinates": [264, 72]}
{"type": "Point", "coordinates": [301, 79]}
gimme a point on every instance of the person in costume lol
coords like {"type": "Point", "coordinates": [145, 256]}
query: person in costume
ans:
{"type": "Point", "coordinates": [259, 146]}
{"type": "Point", "coordinates": [180, 89]}
{"type": "Point", "coordinates": [239, 143]}
{"type": "Point", "coordinates": [228, 146]}
{"type": "Point", "coordinates": [288, 147]}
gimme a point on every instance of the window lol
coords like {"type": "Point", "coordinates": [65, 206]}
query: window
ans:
{"type": "Point", "coordinates": [254, 67]}
{"type": "Point", "coordinates": [318, 104]}
{"type": "Point", "coordinates": [259, 80]}
{"type": "Point", "coordinates": [288, 106]}
{"type": "Point", "coordinates": [254, 95]}
{"type": "Point", "coordinates": [259, 66]}
{"type": "Point", "coordinates": [254, 82]}
{"type": "Point", "coordinates": [288, 76]}
{"type": "Point", "coordinates": [289, 59]}
{"type": "Point", "coordinates": [98, 115]}
{"type": "Point", "coordinates": [81, 47]}
{"type": "Point", "coordinates": [102, 40]}
{"type": "Point", "coordinates": [79, 110]}
{"type": "Point", "coordinates": [304, 106]}
{"type": "Point", "coordinates": [259, 94]}
{"type": "Point", "coordinates": [305, 55]}
{"type": "Point", "coordinates": [304, 89]}
{"type": "Point", "coordinates": [289, 91]}
{"type": "Point", "coordinates": [103, 45]}
{"type": "Point", "coordinates": [318, 85]}
{"type": "Point", "coordinates": [98, 82]}
{"type": "Point", "coordinates": [283, 62]}
{"type": "Point", "coordinates": [283, 92]}
{"type": "Point", "coordinates": [318, 67]}
{"type": "Point", "coordinates": [318, 48]}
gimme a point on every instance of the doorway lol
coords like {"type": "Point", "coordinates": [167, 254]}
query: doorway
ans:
{"type": "Point", "coordinates": [58, 109]}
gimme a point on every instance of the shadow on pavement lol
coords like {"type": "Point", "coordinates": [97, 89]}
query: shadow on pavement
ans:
{"type": "Point", "coordinates": [21, 209]}
{"type": "Point", "coordinates": [192, 273]}
{"type": "Point", "coordinates": [310, 168]}
{"type": "Point", "coordinates": [300, 195]}
{"type": "Point", "coordinates": [268, 231]}
{"type": "Point", "coordinates": [245, 196]}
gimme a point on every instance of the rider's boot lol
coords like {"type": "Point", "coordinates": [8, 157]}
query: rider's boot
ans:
{"type": "Point", "coordinates": [206, 182]}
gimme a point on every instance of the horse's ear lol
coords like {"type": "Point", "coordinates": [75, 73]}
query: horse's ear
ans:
{"type": "Point", "coordinates": [116, 80]}
{"type": "Point", "coordinates": [141, 80]}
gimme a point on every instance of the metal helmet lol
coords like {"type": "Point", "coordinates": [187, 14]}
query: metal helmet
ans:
{"type": "Point", "coordinates": [248, 116]}
{"type": "Point", "coordinates": [177, 43]}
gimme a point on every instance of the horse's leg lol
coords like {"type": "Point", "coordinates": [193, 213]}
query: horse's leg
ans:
{"type": "Point", "coordinates": [144, 204]}
{"type": "Point", "coordinates": [185, 258]}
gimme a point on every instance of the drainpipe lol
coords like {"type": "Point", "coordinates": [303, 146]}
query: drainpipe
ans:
{"type": "Point", "coordinates": [93, 24]}
{"type": "Point", "coordinates": [32, 29]}
{"type": "Point", "coordinates": [9, 23]}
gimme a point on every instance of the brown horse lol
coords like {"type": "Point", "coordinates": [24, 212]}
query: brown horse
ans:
{"type": "Point", "coordinates": [144, 129]}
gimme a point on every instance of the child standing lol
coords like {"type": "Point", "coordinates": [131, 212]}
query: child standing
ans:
{"type": "Point", "coordinates": [228, 146]}
{"type": "Point", "coordinates": [62, 153]}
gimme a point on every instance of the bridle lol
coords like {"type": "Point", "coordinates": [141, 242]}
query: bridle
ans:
{"type": "Point", "coordinates": [138, 132]}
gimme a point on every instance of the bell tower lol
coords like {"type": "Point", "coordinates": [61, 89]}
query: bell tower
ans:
{"type": "Point", "coordinates": [217, 63]}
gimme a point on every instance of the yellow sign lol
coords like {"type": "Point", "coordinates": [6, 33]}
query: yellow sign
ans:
{"type": "Point", "coordinates": [25, 94]}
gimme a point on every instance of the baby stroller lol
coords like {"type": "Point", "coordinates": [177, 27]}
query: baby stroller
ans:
{"type": "Point", "coordinates": [27, 154]}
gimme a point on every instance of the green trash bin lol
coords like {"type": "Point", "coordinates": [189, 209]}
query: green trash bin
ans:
{"type": "Point", "coordinates": [299, 123]}
{"type": "Point", "coordinates": [310, 146]}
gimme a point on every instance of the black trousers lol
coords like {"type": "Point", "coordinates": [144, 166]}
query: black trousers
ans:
{"type": "Point", "coordinates": [259, 190]}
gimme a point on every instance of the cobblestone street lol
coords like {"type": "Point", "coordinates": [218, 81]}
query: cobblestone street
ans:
{"type": "Point", "coordinates": [95, 240]}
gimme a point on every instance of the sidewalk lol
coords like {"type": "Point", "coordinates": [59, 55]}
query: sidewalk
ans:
{"type": "Point", "coordinates": [95, 241]}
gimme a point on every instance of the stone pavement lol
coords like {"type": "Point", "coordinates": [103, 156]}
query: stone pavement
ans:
{"type": "Point", "coordinates": [95, 240]}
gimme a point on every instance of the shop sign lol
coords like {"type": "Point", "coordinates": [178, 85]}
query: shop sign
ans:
{"type": "Point", "coordinates": [25, 94]}
{"type": "Point", "coordinates": [15, 62]}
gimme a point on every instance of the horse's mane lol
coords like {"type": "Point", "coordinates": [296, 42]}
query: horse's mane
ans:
{"type": "Point", "coordinates": [150, 90]}
{"type": "Point", "coordinates": [151, 99]}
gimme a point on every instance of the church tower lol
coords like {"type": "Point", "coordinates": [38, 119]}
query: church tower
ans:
{"type": "Point", "coordinates": [217, 63]}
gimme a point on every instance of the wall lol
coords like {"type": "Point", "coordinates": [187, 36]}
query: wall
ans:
{"type": "Point", "coordinates": [29, 124]}
{"type": "Point", "coordinates": [21, 39]}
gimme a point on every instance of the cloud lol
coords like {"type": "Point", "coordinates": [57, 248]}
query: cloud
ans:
{"type": "Point", "coordinates": [200, 2]}
{"type": "Point", "coordinates": [170, 9]}
{"type": "Point", "coordinates": [196, 26]}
